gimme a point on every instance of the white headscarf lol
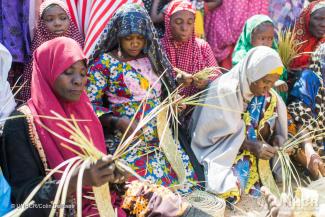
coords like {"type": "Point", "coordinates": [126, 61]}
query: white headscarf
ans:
{"type": "Point", "coordinates": [217, 134]}
{"type": "Point", "coordinates": [7, 101]}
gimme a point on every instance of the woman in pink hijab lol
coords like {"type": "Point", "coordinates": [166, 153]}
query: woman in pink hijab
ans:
{"type": "Point", "coordinates": [29, 151]}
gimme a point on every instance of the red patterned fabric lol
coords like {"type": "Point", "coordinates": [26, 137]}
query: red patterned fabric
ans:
{"type": "Point", "coordinates": [304, 37]}
{"type": "Point", "coordinates": [41, 35]}
{"type": "Point", "coordinates": [191, 56]}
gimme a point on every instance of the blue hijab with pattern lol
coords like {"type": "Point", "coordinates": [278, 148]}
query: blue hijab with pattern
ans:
{"type": "Point", "coordinates": [134, 19]}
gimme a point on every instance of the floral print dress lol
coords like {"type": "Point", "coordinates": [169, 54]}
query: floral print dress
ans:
{"type": "Point", "coordinates": [124, 85]}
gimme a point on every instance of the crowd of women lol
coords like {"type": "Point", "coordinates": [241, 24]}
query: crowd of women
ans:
{"type": "Point", "coordinates": [245, 110]}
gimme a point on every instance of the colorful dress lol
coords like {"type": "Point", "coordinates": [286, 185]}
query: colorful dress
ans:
{"type": "Point", "coordinates": [307, 99]}
{"type": "Point", "coordinates": [125, 84]}
{"type": "Point", "coordinates": [261, 110]}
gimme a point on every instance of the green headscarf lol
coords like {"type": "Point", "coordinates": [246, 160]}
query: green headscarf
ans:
{"type": "Point", "coordinates": [244, 43]}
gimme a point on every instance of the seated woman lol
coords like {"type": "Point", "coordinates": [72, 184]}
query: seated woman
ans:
{"type": "Point", "coordinates": [309, 31]}
{"type": "Point", "coordinates": [127, 62]}
{"type": "Point", "coordinates": [185, 51]}
{"type": "Point", "coordinates": [249, 121]}
{"type": "Point", "coordinates": [306, 105]}
{"type": "Point", "coordinates": [258, 30]}
{"type": "Point", "coordinates": [29, 151]}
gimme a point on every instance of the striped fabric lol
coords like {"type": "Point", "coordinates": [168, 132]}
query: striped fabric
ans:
{"type": "Point", "coordinates": [91, 17]}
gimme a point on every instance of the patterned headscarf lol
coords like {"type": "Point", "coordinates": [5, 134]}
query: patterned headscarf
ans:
{"type": "Point", "coordinates": [134, 19]}
{"type": "Point", "coordinates": [41, 35]}
{"type": "Point", "coordinates": [303, 36]}
{"type": "Point", "coordinates": [244, 43]}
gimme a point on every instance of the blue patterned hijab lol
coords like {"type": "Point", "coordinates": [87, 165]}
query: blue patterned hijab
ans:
{"type": "Point", "coordinates": [134, 19]}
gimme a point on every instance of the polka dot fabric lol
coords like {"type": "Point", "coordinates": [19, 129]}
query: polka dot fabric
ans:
{"type": "Point", "coordinates": [224, 25]}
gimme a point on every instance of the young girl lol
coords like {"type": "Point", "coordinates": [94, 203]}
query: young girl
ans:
{"type": "Point", "coordinates": [128, 60]}
{"type": "Point", "coordinates": [258, 30]}
{"type": "Point", "coordinates": [54, 21]}
{"type": "Point", "coordinates": [185, 51]}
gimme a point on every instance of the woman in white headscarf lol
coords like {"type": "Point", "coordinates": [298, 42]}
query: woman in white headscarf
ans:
{"type": "Point", "coordinates": [7, 105]}
{"type": "Point", "coordinates": [7, 101]}
{"type": "Point", "coordinates": [249, 122]}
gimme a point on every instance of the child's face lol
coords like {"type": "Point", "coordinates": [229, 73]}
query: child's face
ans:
{"type": "Point", "coordinates": [133, 44]}
{"type": "Point", "coordinates": [56, 20]}
{"type": "Point", "coordinates": [263, 35]}
{"type": "Point", "coordinates": [182, 25]}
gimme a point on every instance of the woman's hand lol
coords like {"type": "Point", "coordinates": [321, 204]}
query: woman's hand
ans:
{"type": "Point", "coordinates": [184, 78]}
{"type": "Point", "coordinates": [265, 151]}
{"type": "Point", "coordinates": [281, 86]}
{"type": "Point", "coordinates": [261, 150]}
{"type": "Point", "coordinates": [103, 171]}
{"type": "Point", "coordinates": [200, 83]}
{"type": "Point", "coordinates": [99, 173]}
{"type": "Point", "coordinates": [179, 106]}
{"type": "Point", "coordinates": [123, 123]}
{"type": "Point", "coordinates": [315, 166]}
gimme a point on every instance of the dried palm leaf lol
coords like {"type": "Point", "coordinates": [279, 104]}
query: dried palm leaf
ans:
{"type": "Point", "coordinates": [287, 47]}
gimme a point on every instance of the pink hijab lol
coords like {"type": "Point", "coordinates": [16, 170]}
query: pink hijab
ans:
{"type": "Point", "coordinates": [224, 25]}
{"type": "Point", "coordinates": [51, 59]}
{"type": "Point", "coordinates": [191, 56]}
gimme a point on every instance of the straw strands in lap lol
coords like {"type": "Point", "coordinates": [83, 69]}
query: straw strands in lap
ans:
{"type": "Point", "coordinates": [207, 202]}
{"type": "Point", "coordinates": [169, 145]}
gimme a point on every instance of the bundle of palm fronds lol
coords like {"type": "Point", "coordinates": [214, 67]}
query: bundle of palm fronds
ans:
{"type": "Point", "coordinates": [287, 47]}
{"type": "Point", "coordinates": [203, 74]}
{"type": "Point", "coordinates": [86, 153]}
{"type": "Point", "coordinates": [304, 200]}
